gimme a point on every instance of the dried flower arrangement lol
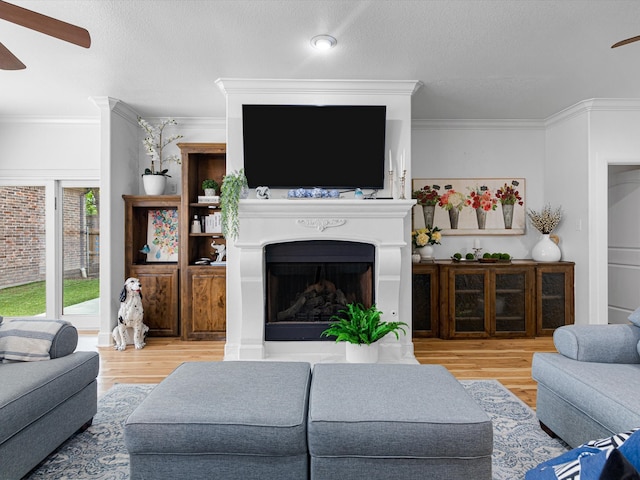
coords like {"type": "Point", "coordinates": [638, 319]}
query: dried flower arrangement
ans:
{"type": "Point", "coordinates": [546, 220]}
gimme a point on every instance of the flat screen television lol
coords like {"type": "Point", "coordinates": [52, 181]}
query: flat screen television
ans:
{"type": "Point", "coordinates": [325, 146]}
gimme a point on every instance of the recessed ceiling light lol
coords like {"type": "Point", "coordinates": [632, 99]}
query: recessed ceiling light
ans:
{"type": "Point", "coordinates": [323, 42]}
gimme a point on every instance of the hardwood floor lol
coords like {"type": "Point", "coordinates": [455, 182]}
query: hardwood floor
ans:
{"type": "Point", "coordinates": [506, 360]}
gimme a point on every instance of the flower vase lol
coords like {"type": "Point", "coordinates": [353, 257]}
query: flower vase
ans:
{"type": "Point", "coordinates": [454, 213]}
{"type": "Point", "coordinates": [507, 215]}
{"type": "Point", "coordinates": [415, 257]}
{"type": "Point", "coordinates": [426, 252]}
{"type": "Point", "coordinates": [429, 212]}
{"type": "Point", "coordinates": [481, 215]}
{"type": "Point", "coordinates": [154, 184]}
{"type": "Point", "coordinates": [361, 353]}
{"type": "Point", "coordinates": [546, 250]}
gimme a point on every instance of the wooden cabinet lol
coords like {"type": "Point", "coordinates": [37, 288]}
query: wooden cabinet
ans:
{"type": "Point", "coordinates": [554, 296]}
{"type": "Point", "coordinates": [159, 279]}
{"type": "Point", "coordinates": [425, 300]}
{"type": "Point", "coordinates": [481, 300]}
{"type": "Point", "coordinates": [521, 298]}
{"type": "Point", "coordinates": [203, 287]}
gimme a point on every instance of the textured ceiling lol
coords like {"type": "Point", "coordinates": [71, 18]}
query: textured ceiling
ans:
{"type": "Point", "coordinates": [478, 59]}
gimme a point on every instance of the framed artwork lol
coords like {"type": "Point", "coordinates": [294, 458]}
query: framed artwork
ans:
{"type": "Point", "coordinates": [471, 206]}
{"type": "Point", "coordinates": [162, 235]}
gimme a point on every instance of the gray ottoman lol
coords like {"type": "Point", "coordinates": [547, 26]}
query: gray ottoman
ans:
{"type": "Point", "coordinates": [380, 421]}
{"type": "Point", "coordinates": [223, 420]}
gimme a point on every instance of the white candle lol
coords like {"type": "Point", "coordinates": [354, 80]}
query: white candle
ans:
{"type": "Point", "coordinates": [476, 243]}
{"type": "Point", "coordinates": [403, 167]}
{"type": "Point", "coordinates": [390, 162]}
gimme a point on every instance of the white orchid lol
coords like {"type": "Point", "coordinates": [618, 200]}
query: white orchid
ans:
{"type": "Point", "coordinates": [154, 143]}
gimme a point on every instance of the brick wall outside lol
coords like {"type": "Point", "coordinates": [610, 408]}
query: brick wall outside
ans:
{"type": "Point", "coordinates": [22, 230]}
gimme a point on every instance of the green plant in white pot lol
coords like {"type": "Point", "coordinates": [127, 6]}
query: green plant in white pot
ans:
{"type": "Point", "coordinates": [234, 187]}
{"type": "Point", "coordinates": [361, 328]}
{"type": "Point", "coordinates": [209, 186]}
{"type": "Point", "coordinates": [154, 179]}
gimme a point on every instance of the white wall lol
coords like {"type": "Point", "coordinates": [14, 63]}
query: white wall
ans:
{"type": "Point", "coordinates": [483, 149]}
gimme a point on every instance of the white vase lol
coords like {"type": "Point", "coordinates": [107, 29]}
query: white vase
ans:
{"type": "Point", "coordinates": [546, 250]}
{"type": "Point", "coordinates": [154, 184]}
{"type": "Point", "coordinates": [209, 192]}
{"type": "Point", "coordinates": [361, 353]}
{"type": "Point", "coordinates": [426, 252]}
{"type": "Point", "coordinates": [415, 257]}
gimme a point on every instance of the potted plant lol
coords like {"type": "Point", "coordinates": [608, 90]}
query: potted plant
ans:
{"type": "Point", "coordinates": [509, 196]}
{"type": "Point", "coordinates": [428, 198]}
{"type": "Point", "coordinates": [424, 239]}
{"type": "Point", "coordinates": [453, 202]}
{"type": "Point", "coordinates": [545, 221]}
{"type": "Point", "coordinates": [154, 178]}
{"type": "Point", "coordinates": [481, 200]}
{"type": "Point", "coordinates": [361, 328]}
{"type": "Point", "coordinates": [234, 187]}
{"type": "Point", "coordinates": [209, 186]}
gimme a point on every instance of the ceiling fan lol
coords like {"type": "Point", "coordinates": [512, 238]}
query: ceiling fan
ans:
{"type": "Point", "coordinates": [40, 23]}
{"type": "Point", "coordinates": [625, 42]}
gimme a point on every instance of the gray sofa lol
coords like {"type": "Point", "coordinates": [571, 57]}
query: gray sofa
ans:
{"type": "Point", "coordinates": [589, 389]}
{"type": "Point", "coordinates": [42, 403]}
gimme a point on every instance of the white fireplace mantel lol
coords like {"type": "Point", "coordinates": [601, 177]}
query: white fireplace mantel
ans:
{"type": "Point", "coordinates": [385, 224]}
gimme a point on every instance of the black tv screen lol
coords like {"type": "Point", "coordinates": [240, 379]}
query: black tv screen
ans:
{"type": "Point", "coordinates": [325, 146]}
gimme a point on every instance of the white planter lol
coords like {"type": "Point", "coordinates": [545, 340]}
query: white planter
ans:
{"type": "Point", "coordinates": [546, 250]}
{"type": "Point", "coordinates": [362, 353]}
{"type": "Point", "coordinates": [209, 192]}
{"type": "Point", "coordinates": [154, 184]}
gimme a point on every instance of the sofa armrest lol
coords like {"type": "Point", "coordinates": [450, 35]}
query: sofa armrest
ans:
{"type": "Point", "coordinates": [599, 343]}
{"type": "Point", "coordinates": [65, 342]}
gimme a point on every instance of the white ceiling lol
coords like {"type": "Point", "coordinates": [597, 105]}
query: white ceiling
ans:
{"type": "Point", "coordinates": [478, 59]}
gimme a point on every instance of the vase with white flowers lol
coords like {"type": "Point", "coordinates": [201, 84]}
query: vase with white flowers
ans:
{"type": "Point", "coordinates": [154, 178]}
{"type": "Point", "coordinates": [546, 221]}
{"type": "Point", "coordinates": [453, 202]}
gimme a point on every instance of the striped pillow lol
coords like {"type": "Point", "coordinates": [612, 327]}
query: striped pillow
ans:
{"type": "Point", "coordinates": [28, 340]}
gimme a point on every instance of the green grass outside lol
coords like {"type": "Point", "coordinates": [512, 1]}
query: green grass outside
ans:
{"type": "Point", "coordinates": [30, 299]}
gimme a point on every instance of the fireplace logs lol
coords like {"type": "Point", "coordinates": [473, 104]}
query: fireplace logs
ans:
{"type": "Point", "coordinates": [318, 302]}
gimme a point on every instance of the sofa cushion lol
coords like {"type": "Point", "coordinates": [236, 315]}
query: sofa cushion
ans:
{"type": "Point", "coordinates": [599, 390]}
{"type": "Point", "coordinates": [30, 390]}
{"type": "Point", "coordinates": [598, 343]}
{"type": "Point", "coordinates": [36, 339]}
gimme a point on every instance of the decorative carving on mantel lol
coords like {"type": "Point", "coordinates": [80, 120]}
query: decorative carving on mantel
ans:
{"type": "Point", "coordinates": [321, 223]}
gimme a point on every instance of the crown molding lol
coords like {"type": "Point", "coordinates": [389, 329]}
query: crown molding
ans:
{"type": "Point", "coordinates": [314, 86]}
{"type": "Point", "coordinates": [594, 105]}
{"type": "Point", "coordinates": [48, 120]}
{"type": "Point", "coordinates": [428, 124]}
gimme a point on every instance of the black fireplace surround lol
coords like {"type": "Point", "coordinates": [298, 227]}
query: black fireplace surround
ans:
{"type": "Point", "coordinates": [307, 282]}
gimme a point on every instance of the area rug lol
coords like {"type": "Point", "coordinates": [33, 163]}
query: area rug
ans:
{"type": "Point", "coordinates": [99, 452]}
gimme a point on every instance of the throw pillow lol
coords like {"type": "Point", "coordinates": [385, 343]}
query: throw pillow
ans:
{"type": "Point", "coordinates": [635, 317]}
{"type": "Point", "coordinates": [28, 340]}
{"type": "Point", "coordinates": [617, 467]}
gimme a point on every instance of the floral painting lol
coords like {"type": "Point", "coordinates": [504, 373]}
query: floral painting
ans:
{"type": "Point", "coordinates": [470, 206]}
{"type": "Point", "coordinates": [162, 236]}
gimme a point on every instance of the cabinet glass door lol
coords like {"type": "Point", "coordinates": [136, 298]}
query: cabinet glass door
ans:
{"type": "Point", "coordinates": [553, 300]}
{"type": "Point", "coordinates": [510, 303]}
{"type": "Point", "coordinates": [469, 302]}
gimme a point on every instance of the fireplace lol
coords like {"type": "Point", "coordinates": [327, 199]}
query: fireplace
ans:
{"type": "Point", "coordinates": [308, 282]}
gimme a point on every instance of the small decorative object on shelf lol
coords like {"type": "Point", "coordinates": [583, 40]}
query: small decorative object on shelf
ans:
{"type": "Point", "coordinates": [263, 193]}
{"type": "Point", "coordinates": [361, 328]}
{"type": "Point", "coordinates": [545, 221]}
{"type": "Point", "coordinates": [219, 250]}
{"type": "Point", "coordinates": [209, 186]}
{"type": "Point", "coordinates": [154, 179]}
{"type": "Point", "coordinates": [234, 188]}
{"type": "Point", "coordinates": [313, 193]}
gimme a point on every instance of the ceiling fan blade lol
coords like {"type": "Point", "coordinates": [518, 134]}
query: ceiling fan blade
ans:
{"type": "Point", "coordinates": [43, 24]}
{"type": "Point", "coordinates": [8, 61]}
{"type": "Point", "coordinates": [625, 42]}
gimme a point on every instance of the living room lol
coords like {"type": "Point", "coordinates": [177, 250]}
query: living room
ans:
{"type": "Point", "coordinates": [521, 90]}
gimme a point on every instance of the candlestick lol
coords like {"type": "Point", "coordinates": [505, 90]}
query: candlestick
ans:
{"type": "Point", "coordinates": [402, 181]}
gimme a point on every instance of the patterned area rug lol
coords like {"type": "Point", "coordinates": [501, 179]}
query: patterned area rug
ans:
{"type": "Point", "coordinates": [99, 453]}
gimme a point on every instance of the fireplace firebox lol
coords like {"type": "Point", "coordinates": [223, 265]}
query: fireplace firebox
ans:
{"type": "Point", "coordinates": [307, 282]}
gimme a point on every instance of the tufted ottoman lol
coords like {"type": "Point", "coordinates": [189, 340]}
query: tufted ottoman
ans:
{"type": "Point", "coordinates": [379, 421]}
{"type": "Point", "coordinates": [223, 420]}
